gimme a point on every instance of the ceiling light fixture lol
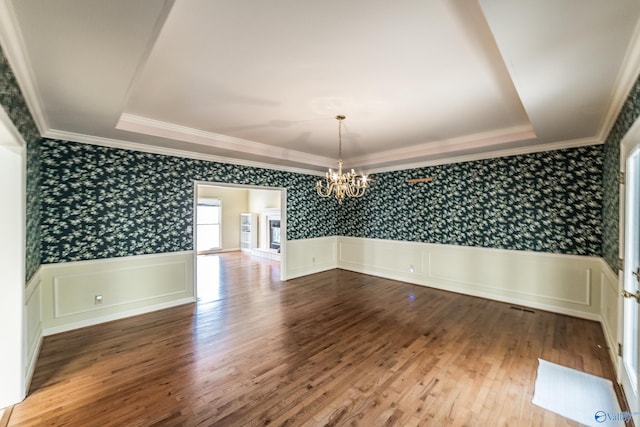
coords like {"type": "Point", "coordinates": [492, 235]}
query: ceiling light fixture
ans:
{"type": "Point", "coordinates": [338, 184]}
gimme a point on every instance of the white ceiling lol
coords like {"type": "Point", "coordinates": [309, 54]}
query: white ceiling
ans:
{"type": "Point", "coordinates": [421, 82]}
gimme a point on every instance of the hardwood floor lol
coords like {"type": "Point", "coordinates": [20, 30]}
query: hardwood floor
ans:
{"type": "Point", "coordinates": [335, 348]}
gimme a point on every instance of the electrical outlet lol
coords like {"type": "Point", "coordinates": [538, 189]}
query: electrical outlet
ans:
{"type": "Point", "coordinates": [313, 260]}
{"type": "Point", "coordinates": [411, 269]}
{"type": "Point", "coordinates": [98, 299]}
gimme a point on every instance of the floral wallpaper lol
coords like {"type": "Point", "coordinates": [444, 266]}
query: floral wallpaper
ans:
{"type": "Point", "coordinates": [611, 200]}
{"type": "Point", "coordinates": [100, 202]}
{"type": "Point", "coordinates": [88, 202]}
{"type": "Point", "coordinates": [16, 108]}
{"type": "Point", "coordinates": [544, 202]}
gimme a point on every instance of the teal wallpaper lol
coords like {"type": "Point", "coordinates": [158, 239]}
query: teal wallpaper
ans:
{"type": "Point", "coordinates": [540, 202]}
{"type": "Point", "coordinates": [14, 105]}
{"type": "Point", "coordinates": [100, 202]}
{"type": "Point", "coordinates": [544, 202]}
{"type": "Point", "coordinates": [611, 200]}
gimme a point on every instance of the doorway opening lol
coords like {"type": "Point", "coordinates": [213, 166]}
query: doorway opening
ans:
{"type": "Point", "coordinates": [246, 219]}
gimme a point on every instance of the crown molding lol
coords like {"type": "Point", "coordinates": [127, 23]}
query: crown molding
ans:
{"type": "Point", "coordinates": [135, 146]}
{"type": "Point", "coordinates": [138, 124]}
{"type": "Point", "coordinates": [575, 143]}
{"type": "Point", "coordinates": [627, 77]}
{"type": "Point", "coordinates": [500, 136]}
{"type": "Point", "coordinates": [14, 48]}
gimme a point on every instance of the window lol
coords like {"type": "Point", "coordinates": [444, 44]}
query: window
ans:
{"type": "Point", "coordinates": [208, 216]}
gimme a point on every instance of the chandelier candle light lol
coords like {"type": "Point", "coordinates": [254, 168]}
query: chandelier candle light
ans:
{"type": "Point", "coordinates": [338, 184]}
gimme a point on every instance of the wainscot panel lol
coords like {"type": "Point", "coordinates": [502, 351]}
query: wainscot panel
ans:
{"type": "Point", "coordinates": [308, 256]}
{"type": "Point", "coordinates": [82, 293]}
{"type": "Point", "coordinates": [611, 309]}
{"type": "Point", "coordinates": [567, 284]}
{"type": "Point", "coordinates": [33, 322]}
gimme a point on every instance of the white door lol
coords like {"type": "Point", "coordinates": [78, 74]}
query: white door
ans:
{"type": "Point", "coordinates": [631, 280]}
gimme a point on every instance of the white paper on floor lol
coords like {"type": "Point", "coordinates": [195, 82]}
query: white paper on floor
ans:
{"type": "Point", "coordinates": [581, 397]}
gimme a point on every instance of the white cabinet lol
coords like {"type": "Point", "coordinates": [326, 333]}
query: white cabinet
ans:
{"type": "Point", "coordinates": [248, 231]}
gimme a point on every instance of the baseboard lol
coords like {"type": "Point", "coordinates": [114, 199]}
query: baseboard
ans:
{"type": "Point", "coordinates": [115, 316]}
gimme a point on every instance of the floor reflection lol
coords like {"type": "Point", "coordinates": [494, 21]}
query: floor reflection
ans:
{"type": "Point", "coordinates": [208, 280]}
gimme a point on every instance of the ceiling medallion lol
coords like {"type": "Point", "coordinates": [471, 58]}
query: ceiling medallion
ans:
{"type": "Point", "coordinates": [338, 184]}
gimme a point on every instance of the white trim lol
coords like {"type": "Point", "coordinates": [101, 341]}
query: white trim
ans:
{"type": "Point", "coordinates": [607, 282]}
{"type": "Point", "coordinates": [146, 126]}
{"type": "Point", "coordinates": [33, 360]}
{"type": "Point", "coordinates": [411, 262]}
{"type": "Point", "coordinates": [9, 135]}
{"type": "Point", "coordinates": [30, 292]}
{"type": "Point", "coordinates": [561, 145]}
{"type": "Point", "coordinates": [84, 262]}
{"type": "Point", "coordinates": [116, 316]}
{"type": "Point", "coordinates": [13, 336]}
{"type": "Point", "coordinates": [146, 148]}
{"type": "Point", "coordinates": [627, 77]}
{"type": "Point", "coordinates": [477, 140]}
{"type": "Point", "coordinates": [14, 48]}
{"type": "Point", "coordinates": [34, 338]}
{"type": "Point", "coordinates": [283, 218]}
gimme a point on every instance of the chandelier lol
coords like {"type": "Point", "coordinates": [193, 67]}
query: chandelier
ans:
{"type": "Point", "coordinates": [338, 184]}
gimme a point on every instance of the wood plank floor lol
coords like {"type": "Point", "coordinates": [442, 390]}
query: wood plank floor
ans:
{"type": "Point", "coordinates": [335, 348]}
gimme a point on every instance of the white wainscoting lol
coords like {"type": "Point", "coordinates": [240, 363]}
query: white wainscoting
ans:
{"type": "Point", "coordinates": [611, 309]}
{"type": "Point", "coordinates": [310, 256]}
{"type": "Point", "coordinates": [128, 286]}
{"type": "Point", "coordinates": [564, 284]}
{"type": "Point", "coordinates": [33, 324]}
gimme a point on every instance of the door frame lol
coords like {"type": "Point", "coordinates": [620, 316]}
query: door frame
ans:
{"type": "Point", "coordinates": [283, 221]}
{"type": "Point", "coordinates": [629, 143]}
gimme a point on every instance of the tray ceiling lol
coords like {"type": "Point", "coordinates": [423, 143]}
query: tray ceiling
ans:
{"type": "Point", "coordinates": [421, 82]}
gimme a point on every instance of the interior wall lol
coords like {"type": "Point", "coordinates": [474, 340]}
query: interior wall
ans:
{"type": "Point", "coordinates": [544, 202]}
{"type": "Point", "coordinates": [263, 199]}
{"type": "Point", "coordinates": [101, 202]}
{"type": "Point", "coordinates": [234, 201]}
{"type": "Point", "coordinates": [14, 105]}
{"type": "Point", "coordinates": [12, 255]}
{"type": "Point", "coordinates": [258, 201]}
{"type": "Point", "coordinates": [610, 182]}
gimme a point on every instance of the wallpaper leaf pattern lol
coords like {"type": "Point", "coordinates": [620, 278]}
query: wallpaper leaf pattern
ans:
{"type": "Point", "coordinates": [133, 209]}
{"type": "Point", "coordinates": [16, 108]}
{"type": "Point", "coordinates": [611, 189]}
{"type": "Point", "coordinates": [100, 202]}
{"type": "Point", "coordinates": [543, 202]}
